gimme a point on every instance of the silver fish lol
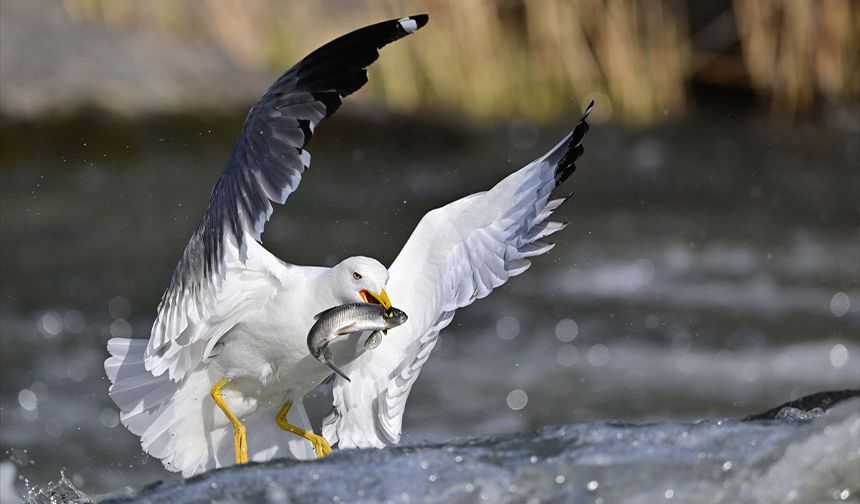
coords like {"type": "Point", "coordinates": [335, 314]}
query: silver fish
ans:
{"type": "Point", "coordinates": [346, 319]}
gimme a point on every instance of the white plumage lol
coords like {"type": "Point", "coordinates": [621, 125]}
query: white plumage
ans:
{"type": "Point", "coordinates": [232, 325]}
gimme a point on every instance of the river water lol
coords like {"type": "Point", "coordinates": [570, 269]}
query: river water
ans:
{"type": "Point", "coordinates": [711, 269]}
{"type": "Point", "coordinates": [797, 458]}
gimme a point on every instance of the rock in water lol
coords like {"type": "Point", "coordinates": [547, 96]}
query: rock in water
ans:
{"type": "Point", "coordinates": [807, 407]}
{"type": "Point", "coordinates": [780, 459]}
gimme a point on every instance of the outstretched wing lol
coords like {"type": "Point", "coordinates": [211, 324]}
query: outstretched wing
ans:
{"type": "Point", "coordinates": [457, 254]}
{"type": "Point", "coordinates": [266, 165]}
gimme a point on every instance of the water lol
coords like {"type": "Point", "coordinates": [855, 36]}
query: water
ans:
{"type": "Point", "coordinates": [795, 459]}
{"type": "Point", "coordinates": [712, 269]}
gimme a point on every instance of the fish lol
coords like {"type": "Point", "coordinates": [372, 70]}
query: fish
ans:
{"type": "Point", "coordinates": [346, 319]}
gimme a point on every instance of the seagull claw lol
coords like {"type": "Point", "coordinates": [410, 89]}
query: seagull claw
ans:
{"type": "Point", "coordinates": [321, 446]}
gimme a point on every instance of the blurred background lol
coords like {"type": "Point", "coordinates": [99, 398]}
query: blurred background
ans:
{"type": "Point", "coordinates": [712, 267]}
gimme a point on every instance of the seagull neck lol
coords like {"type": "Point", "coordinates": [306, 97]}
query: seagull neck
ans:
{"type": "Point", "coordinates": [325, 292]}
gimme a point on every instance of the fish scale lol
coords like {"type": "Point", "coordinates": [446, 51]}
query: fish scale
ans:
{"type": "Point", "coordinates": [346, 319]}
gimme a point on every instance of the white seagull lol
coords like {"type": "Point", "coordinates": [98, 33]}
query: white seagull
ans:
{"type": "Point", "coordinates": [226, 366]}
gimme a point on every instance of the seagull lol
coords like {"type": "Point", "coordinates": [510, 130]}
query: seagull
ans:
{"type": "Point", "coordinates": [221, 379]}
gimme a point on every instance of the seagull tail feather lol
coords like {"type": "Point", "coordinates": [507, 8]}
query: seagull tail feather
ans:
{"type": "Point", "coordinates": [177, 422]}
{"type": "Point", "coordinates": [162, 412]}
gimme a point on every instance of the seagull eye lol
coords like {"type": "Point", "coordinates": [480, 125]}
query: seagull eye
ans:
{"type": "Point", "coordinates": [356, 276]}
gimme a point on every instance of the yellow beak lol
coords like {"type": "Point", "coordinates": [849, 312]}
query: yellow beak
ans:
{"type": "Point", "coordinates": [372, 297]}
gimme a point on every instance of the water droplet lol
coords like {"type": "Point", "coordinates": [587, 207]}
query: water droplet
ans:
{"type": "Point", "coordinates": [592, 485]}
{"type": "Point", "coordinates": [109, 418]}
{"type": "Point", "coordinates": [669, 493]}
{"type": "Point", "coordinates": [559, 479]}
{"type": "Point", "coordinates": [566, 330]}
{"type": "Point", "coordinates": [517, 399]}
{"type": "Point", "coordinates": [27, 399]}
{"type": "Point", "coordinates": [840, 303]}
{"type": "Point", "coordinates": [508, 327]}
{"type": "Point", "coordinates": [652, 321]}
{"type": "Point", "coordinates": [727, 465]}
{"type": "Point", "coordinates": [839, 355]}
{"type": "Point", "coordinates": [119, 328]}
{"type": "Point", "coordinates": [51, 324]}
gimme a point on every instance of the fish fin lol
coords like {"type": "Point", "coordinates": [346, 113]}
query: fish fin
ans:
{"type": "Point", "coordinates": [349, 329]}
{"type": "Point", "coordinates": [331, 365]}
{"type": "Point", "coordinates": [373, 340]}
{"type": "Point", "coordinates": [338, 371]}
{"type": "Point", "coordinates": [320, 314]}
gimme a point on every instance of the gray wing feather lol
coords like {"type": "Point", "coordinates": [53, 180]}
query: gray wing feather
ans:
{"type": "Point", "coordinates": [266, 165]}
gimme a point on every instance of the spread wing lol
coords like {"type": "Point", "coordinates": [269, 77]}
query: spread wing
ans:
{"type": "Point", "coordinates": [212, 286]}
{"type": "Point", "coordinates": [457, 254]}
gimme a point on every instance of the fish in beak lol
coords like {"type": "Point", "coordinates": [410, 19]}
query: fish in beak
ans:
{"type": "Point", "coordinates": [373, 298]}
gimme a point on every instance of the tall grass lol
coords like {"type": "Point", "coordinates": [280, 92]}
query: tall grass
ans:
{"type": "Point", "coordinates": [535, 58]}
{"type": "Point", "coordinates": [796, 50]}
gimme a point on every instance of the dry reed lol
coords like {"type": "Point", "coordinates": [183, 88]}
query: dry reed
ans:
{"type": "Point", "coordinates": [529, 58]}
{"type": "Point", "coordinates": [796, 50]}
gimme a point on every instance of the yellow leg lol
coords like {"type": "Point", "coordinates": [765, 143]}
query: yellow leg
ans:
{"type": "Point", "coordinates": [321, 446]}
{"type": "Point", "coordinates": [240, 441]}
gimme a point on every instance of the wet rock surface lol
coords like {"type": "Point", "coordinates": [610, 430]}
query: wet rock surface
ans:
{"type": "Point", "coordinates": [810, 404]}
{"type": "Point", "coordinates": [770, 457]}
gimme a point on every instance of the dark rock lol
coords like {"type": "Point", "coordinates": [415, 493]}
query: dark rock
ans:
{"type": "Point", "coordinates": [814, 403]}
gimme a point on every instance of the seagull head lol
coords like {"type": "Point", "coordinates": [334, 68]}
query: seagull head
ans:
{"type": "Point", "coordinates": [361, 279]}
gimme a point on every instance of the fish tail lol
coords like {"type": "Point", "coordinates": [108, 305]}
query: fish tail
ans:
{"type": "Point", "coordinates": [331, 365]}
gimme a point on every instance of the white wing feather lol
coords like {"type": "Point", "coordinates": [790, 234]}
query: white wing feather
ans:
{"type": "Point", "coordinates": [242, 286]}
{"type": "Point", "coordinates": [457, 254]}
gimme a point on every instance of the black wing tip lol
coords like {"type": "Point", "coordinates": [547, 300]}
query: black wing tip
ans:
{"type": "Point", "coordinates": [421, 19]}
{"type": "Point", "coordinates": [567, 165]}
{"type": "Point", "coordinates": [587, 111]}
{"type": "Point", "coordinates": [330, 84]}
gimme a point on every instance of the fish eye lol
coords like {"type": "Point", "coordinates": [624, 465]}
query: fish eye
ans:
{"type": "Point", "coordinates": [356, 276]}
